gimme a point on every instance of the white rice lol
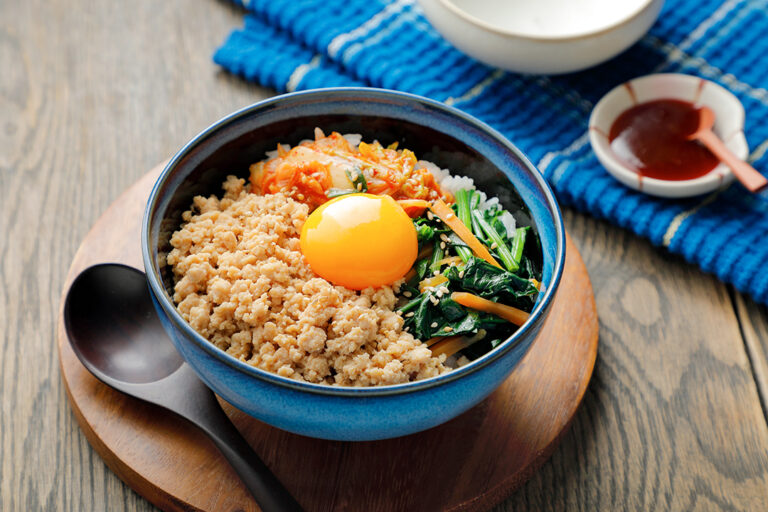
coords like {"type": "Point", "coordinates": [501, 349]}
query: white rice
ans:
{"type": "Point", "coordinates": [453, 183]}
{"type": "Point", "coordinates": [354, 139]}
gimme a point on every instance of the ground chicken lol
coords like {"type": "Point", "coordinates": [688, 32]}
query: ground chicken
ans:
{"type": "Point", "coordinates": [242, 282]}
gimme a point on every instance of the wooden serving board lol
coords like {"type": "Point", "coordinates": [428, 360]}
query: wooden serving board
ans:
{"type": "Point", "coordinates": [470, 463]}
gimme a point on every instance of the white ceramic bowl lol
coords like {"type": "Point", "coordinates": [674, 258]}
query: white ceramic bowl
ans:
{"type": "Point", "coordinates": [729, 126]}
{"type": "Point", "coordinates": [542, 36]}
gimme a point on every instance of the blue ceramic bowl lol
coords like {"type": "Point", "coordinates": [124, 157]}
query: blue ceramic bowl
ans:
{"type": "Point", "coordinates": [435, 132]}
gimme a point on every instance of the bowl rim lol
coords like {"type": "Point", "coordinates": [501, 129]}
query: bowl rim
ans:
{"type": "Point", "coordinates": [484, 25]}
{"type": "Point", "coordinates": [718, 176]}
{"type": "Point", "coordinates": [362, 93]}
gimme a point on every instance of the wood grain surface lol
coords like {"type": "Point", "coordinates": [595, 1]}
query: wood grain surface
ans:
{"type": "Point", "coordinates": [93, 93]}
{"type": "Point", "coordinates": [503, 440]}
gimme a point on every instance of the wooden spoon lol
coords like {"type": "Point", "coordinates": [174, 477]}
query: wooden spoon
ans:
{"type": "Point", "coordinates": [117, 335]}
{"type": "Point", "coordinates": [745, 173]}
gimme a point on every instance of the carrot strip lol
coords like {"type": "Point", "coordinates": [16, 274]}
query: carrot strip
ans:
{"type": "Point", "coordinates": [438, 339]}
{"type": "Point", "coordinates": [445, 213]}
{"type": "Point", "coordinates": [450, 345]}
{"type": "Point", "coordinates": [449, 260]}
{"type": "Point", "coordinates": [432, 282]}
{"type": "Point", "coordinates": [413, 207]}
{"type": "Point", "coordinates": [509, 313]}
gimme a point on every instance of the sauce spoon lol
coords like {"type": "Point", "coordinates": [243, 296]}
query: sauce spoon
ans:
{"type": "Point", "coordinates": [745, 173]}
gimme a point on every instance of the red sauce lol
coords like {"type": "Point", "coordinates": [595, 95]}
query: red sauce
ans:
{"type": "Point", "coordinates": [651, 140]}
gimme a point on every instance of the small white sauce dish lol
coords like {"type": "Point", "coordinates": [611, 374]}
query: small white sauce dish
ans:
{"type": "Point", "coordinates": [729, 126]}
{"type": "Point", "coordinates": [542, 36]}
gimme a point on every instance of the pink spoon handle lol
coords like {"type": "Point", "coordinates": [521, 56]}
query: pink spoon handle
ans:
{"type": "Point", "coordinates": [745, 173]}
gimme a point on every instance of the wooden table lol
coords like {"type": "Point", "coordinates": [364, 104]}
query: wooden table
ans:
{"type": "Point", "coordinates": [95, 93]}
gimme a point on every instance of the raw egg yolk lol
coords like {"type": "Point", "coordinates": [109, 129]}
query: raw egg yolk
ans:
{"type": "Point", "coordinates": [360, 241]}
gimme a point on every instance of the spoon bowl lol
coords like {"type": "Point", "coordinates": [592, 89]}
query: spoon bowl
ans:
{"type": "Point", "coordinates": [115, 332]}
{"type": "Point", "coordinates": [745, 173]}
{"type": "Point", "coordinates": [114, 306]}
{"type": "Point", "coordinates": [706, 122]}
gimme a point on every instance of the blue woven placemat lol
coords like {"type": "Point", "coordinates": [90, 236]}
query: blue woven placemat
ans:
{"type": "Point", "coordinates": [293, 45]}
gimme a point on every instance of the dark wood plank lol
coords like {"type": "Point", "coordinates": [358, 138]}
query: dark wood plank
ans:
{"type": "Point", "coordinates": [93, 93]}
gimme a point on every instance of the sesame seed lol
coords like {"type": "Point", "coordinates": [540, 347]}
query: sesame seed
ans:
{"type": "Point", "coordinates": [399, 313]}
{"type": "Point", "coordinates": [444, 237]}
{"type": "Point", "coordinates": [447, 328]}
{"type": "Point", "coordinates": [444, 289]}
{"type": "Point", "coordinates": [450, 216]}
{"type": "Point", "coordinates": [406, 293]}
{"type": "Point", "coordinates": [359, 186]}
{"type": "Point", "coordinates": [300, 197]}
{"type": "Point", "coordinates": [430, 216]}
{"type": "Point", "coordinates": [461, 274]}
{"type": "Point", "coordinates": [434, 301]}
{"type": "Point", "coordinates": [409, 315]}
{"type": "Point", "coordinates": [494, 245]}
{"type": "Point", "coordinates": [436, 273]}
{"type": "Point", "coordinates": [439, 293]}
{"type": "Point", "coordinates": [433, 325]}
{"type": "Point", "coordinates": [442, 245]}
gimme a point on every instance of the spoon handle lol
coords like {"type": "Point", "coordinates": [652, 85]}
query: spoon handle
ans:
{"type": "Point", "coordinates": [260, 481]}
{"type": "Point", "coordinates": [197, 403]}
{"type": "Point", "coordinates": [745, 173]}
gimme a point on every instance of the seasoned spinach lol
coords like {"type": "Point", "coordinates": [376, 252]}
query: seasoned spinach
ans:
{"type": "Point", "coordinates": [422, 266]}
{"type": "Point", "coordinates": [498, 243]}
{"type": "Point", "coordinates": [432, 313]}
{"type": "Point", "coordinates": [485, 280]}
{"type": "Point", "coordinates": [424, 232]}
{"type": "Point", "coordinates": [428, 316]}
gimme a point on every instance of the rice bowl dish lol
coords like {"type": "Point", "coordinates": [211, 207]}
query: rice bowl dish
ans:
{"type": "Point", "coordinates": [248, 278]}
{"type": "Point", "coordinates": [435, 132]}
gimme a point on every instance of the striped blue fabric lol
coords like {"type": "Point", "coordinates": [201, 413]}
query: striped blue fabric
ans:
{"type": "Point", "coordinates": [295, 45]}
